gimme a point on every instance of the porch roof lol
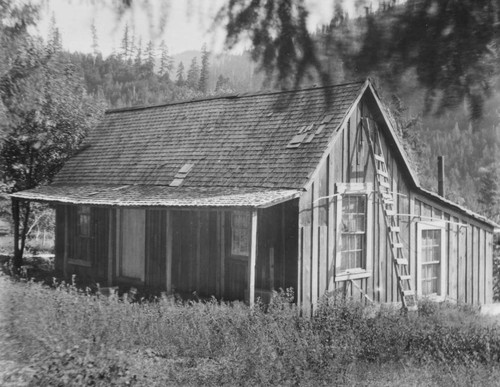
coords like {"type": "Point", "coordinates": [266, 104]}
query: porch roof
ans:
{"type": "Point", "coordinates": [158, 196]}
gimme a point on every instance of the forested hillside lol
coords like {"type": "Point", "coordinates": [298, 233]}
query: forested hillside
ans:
{"type": "Point", "coordinates": [143, 73]}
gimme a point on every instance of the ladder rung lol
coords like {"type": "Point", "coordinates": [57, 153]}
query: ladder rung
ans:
{"type": "Point", "coordinates": [385, 184]}
{"type": "Point", "coordinates": [401, 261]}
{"type": "Point", "coordinates": [408, 293]}
{"type": "Point", "coordinates": [382, 173]}
{"type": "Point", "coordinates": [405, 277]}
{"type": "Point", "coordinates": [397, 246]}
{"type": "Point", "coordinates": [379, 157]}
{"type": "Point", "coordinates": [394, 229]}
{"type": "Point", "coordinates": [390, 212]}
{"type": "Point", "coordinates": [412, 308]}
{"type": "Point", "coordinates": [387, 196]}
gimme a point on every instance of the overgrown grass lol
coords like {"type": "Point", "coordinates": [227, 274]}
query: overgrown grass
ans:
{"type": "Point", "coordinates": [74, 337]}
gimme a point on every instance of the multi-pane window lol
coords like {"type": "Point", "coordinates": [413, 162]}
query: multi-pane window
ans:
{"type": "Point", "coordinates": [240, 233]}
{"type": "Point", "coordinates": [354, 214]}
{"type": "Point", "coordinates": [430, 258]}
{"type": "Point", "coordinates": [84, 233]}
{"type": "Point", "coordinates": [353, 232]}
{"type": "Point", "coordinates": [431, 261]}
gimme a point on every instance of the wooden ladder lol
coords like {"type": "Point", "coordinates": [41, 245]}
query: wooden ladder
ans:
{"type": "Point", "coordinates": [400, 262]}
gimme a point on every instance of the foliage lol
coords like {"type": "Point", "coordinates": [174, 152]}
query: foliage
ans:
{"type": "Point", "coordinates": [280, 40]}
{"type": "Point", "coordinates": [71, 333]}
{"type": "Point", "coordinates": [496, 270]}
{"type": "Point", "coordinates": [46, 114]}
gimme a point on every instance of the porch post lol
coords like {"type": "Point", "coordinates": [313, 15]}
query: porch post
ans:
{"type": "Point", "coordinates": [253, 258]}
{"type": "Point", "coordinates": [66, 241]}
{"type": "Point", "coordinates": [168, 265]}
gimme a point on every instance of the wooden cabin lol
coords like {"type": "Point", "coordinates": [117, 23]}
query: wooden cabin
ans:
{"type": "Point", "coordinates": [237, 196]}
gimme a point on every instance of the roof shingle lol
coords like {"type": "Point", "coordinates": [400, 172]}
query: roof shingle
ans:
{"type": "Point", "coordinates": [232, 142]}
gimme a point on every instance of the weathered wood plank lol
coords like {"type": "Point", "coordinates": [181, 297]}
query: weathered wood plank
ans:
{"type": "Point", "coordinates": [469, 265]}
{"type": "Point", "coordinates": [198, 251]}
{"type": "Point", "coordinates": [335, 175]}
{"type": "Point", "coordinates": [314, 245]}
{"type": "Point", "coordinates": [488, 298]}
{"type": "Point", "coordinates": [453, 260]}
{"type": "Point", "coordinates": [323, 261]}
{"type": "Point", "coordinates": [475, 265]}
{"type": "Point", "coordinates": [462, 263]}
{"type": "Point", "coordinates": [168, 253]}
{"type": "Point", "coordinates": [482, 265]}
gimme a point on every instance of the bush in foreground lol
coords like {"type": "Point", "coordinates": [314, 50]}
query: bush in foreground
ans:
{"type": "Point", "coordinates": [76, 337]}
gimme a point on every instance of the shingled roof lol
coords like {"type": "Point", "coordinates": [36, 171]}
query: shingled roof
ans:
{"type": "Point", "coordinates": [237, 141]}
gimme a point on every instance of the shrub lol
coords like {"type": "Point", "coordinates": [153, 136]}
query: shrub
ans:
{"type": "Point", "coordinates": [76, 335]}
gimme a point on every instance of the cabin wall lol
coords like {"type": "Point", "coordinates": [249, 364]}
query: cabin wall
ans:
{"type": "Point", "coordinates": [467, 249]}
{"type": "Point", "coordinates": [84, 256]}
{"type": "Point", "coordinates": [207, 252]}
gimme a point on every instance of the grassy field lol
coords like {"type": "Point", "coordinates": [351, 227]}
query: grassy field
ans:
{"type": "Point", "coordinates": [61, 336]}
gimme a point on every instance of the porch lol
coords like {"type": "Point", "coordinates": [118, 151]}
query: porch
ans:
{"type": "Point", "coordinates": [230, 253]}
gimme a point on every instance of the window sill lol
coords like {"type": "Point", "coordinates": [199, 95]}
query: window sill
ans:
{"type": "Point", "coordinates": [79, 262]}
{"type": "Point", "coordinates": [353, 275]}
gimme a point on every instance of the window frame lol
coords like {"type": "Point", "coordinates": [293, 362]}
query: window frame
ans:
{"type": "Point", "coordinates": [82, 238]}
{"type": "Point", "coordinates": [430, 226]}
{"type": "Point", "coordinates": [239, 232]}
{"type": "Point", "coordinates": [355, 189]}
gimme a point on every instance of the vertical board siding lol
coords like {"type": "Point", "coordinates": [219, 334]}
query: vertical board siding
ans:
{"type": "Point", "coordinates": [156, 248]}
{"type": "Point", "coordinates": [488, 246]}
{"type": "Point", "coordinates": [60, 238]}
{"type": "Point", "coordinates": [482, 273]}
{"type": "Point", "coordinates": [462, 263]}
{"type": "Point", "coordinates": [453, 260]}
{"type": "Point", "coordinates": [465, 250]}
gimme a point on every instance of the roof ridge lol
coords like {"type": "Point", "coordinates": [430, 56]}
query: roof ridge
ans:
{"type": "Point", "coordinates": [230, 96]}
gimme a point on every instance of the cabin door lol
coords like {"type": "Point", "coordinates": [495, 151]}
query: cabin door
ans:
{"type": "Point", "coordinates": [132, 260]}
{"type": "Point", "coordinates": [237, 238]}
{"type": "Point", "coordinates": [236, 279]}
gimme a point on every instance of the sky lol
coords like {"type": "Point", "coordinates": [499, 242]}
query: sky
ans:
{"type": "Point", "coordinates": [187, 22]}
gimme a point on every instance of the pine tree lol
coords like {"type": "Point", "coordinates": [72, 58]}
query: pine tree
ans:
{"type": "Point", "coordinates": [193, 74]}
{"type": "Point", "coordinates": [54, 40]}
{"type": "Point", "coordinates": [166, 61]}
{"type": "Point", "coordinates": [150, 56]}
{"type": "Point", "coordinates": [180, 75]}
{"type": "Point", "coordinates": [203, 82]}
{"type": "Point", "coordinates": [126, 44]}
{"type": "Point", "coordinates": [95, 43]}
{"type": "Point", "coordinates": [489, 191]}
{"type": "Point", "coordinates": [138, 56]}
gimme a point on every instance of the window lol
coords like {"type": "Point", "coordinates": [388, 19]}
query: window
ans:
{"type": "Point", "coordinates": [353, 232]}
{"type": "Point", "coordinates": [354, 208]}
{"type": "Point", "coordinates": [430, 258]}
{"type": "Point", "coordinates": [81, 226]}
{"type": "Point", "coordinates": [240, 233]}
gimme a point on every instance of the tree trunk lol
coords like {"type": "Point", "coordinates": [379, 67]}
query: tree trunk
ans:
{"type": "Point", "coordinates": [20, 236]}
{"type": "Point", "coordinates": [26, 217]}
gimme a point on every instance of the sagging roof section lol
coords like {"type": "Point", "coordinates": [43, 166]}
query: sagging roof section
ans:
{"type": "Point", "coordinates": [158, 196]}
{"type": "Point", "coordinates": [239, 141]}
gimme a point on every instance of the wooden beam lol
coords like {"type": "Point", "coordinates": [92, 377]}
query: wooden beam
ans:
{"type": "Point", "coordinates": [253, 259]}
{"type": "Point", "coordinates": [168, 255]}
